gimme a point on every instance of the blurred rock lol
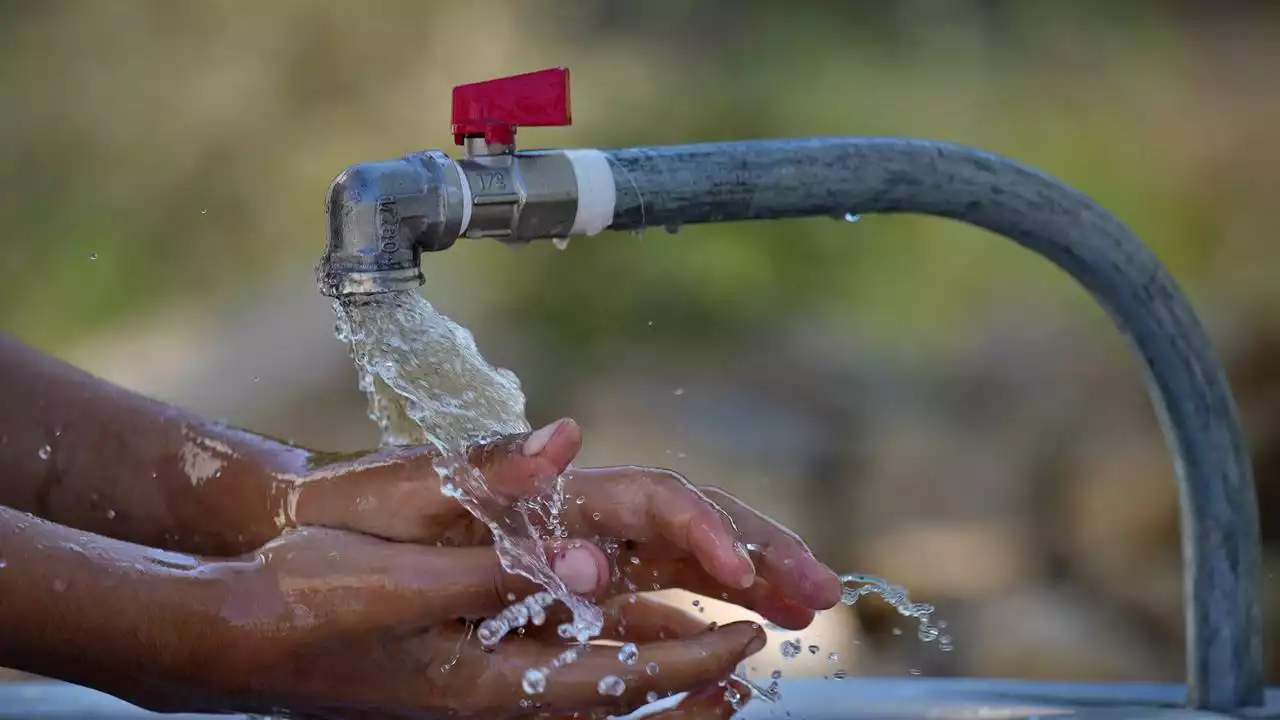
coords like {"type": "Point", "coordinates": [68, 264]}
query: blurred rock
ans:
{"type": "Point", "coordinates": [1046, 632]}
{"type": "Point", "coordinates": [953, 559]}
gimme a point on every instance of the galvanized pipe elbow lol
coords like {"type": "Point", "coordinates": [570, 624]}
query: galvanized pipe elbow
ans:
{"type": "Point", "coordinates": [383, 215]}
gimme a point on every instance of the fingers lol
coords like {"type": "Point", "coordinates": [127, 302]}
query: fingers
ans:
{"type": "Point", "coordinates": [663, 668]}
{"type": "Point", "coordinates": [776, 604]}
{"type": "Point", "coordinates": [477, 584]}
{"type": "Point", "coordinates": [525, 465]}
{"type": "Point", "coordinates": [636, 619]}
{"type": "Point", "coordinates": [784, 560]}
{"type": "Point", "coordinates": [714, 702]}
{"type": "Point", "coordinates": [639, 619]}
{"type": "Point", "coordinates": [394, 493]}
{"type": "Point", "coordinates": [355, 582]}
{"type": "Point", "coordinates": [646, 504]}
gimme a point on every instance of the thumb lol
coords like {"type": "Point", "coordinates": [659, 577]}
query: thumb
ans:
{"type": "Point", "coordinates": [523, 465]}
{"type": "Point", "coordinates": [383, 493]}
{"type": "Point", "coordinates": [436, 584]}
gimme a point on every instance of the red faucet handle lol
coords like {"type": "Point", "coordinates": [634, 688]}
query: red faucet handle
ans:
{"type": "Point", "coordinates": [495, 108]}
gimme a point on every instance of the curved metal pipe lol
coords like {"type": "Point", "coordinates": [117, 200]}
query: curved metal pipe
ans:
{"type": "Point", "coordinates": [753, 180]}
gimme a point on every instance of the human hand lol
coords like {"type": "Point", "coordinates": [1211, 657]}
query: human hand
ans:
{"type": "Point", "coordinates": [334, 624]}
{"type": "Point", "coordinates": [672, 534]}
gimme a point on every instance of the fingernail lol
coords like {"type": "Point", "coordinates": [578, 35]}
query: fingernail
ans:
{"type": "Point", "coordinates": [757, 644]}
{"type": "Point", "coordinates": [539, 439]}
{"type": "Point", "coordinates": [577, 568]}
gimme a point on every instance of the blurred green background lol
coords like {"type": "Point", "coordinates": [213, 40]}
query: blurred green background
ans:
{"type": "Point", "coordinates": [919, 399]}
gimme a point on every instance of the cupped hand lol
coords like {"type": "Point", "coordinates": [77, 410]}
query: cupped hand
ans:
{"type": "Point", "coordinates": [672, 534]}
{"type": "Point", "coordinates": [334, 624]}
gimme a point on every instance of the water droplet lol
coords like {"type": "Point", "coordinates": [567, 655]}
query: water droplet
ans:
{"type": "Point", "coordinates": [697, 603]}
{"type": "Point", "coordinates": [93, 256]}
{"type": "Point", "coordinates": [535, 681]}
{"type": "Point", "coordinates": [635, 560]}
{"type": "Point", "coordinates": [256, 378]}
{"type": "Point", "coordinates": [651, 668]}
{"type": "Point", "coordinates": [813, 649]}
{"type": "Point", "coordinates": [791, 648]}
{"type": "Point", "coordinates": [59, 585]}
{"type": "Point", "coordinates": [561, 243]}
{"type": "Point", "coordinates": [650, 323]}
{"type": "Point", "coordinates": [44, 452]}
{"type": "Point", "coordinates": [678, 391]}
{"type": "Point", "coordinates": [732, 696]}
{"type": "Point", "coordinates": [840, 674]}
{"type": "Point", "coordinates": [204, 211]}
{"type": "Point", "coordinates": [537, 615]}
{"type": "Point", "coordinates": [833, 658]}
{"type": "Point", "coordinates": [852, 217]}
{"type": "Point", "coordinates": [611, 685]}
{"type": "Point", "coordinates": [491, 631]}
{"type": "Point", "coordinates": [580, 499]}
{"type": "Point", "coordinates": [595, 516]}
{"type": "Point", "coordinates": [2, 562]}
{"type": "Point", "coordinates": [111, 514]}
{"type": "Point", "coordinates": [896, 631]}
{"type": "Point", "coordinates": [628, 654]}
{"type": "Point", "coordinates": [565, 631]}
{"type": "Point", "coordinates": [776, 674]}
{"type": "Point", "coordinates": [651, 697]}
{"type": "Point", "coordinates": [914, 671]}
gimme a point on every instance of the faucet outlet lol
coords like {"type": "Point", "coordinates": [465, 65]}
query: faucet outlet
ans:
{"type": "Point", "coordinates": [384, 215]}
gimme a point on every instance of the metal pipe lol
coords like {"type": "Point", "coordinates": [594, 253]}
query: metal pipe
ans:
{"type": "Point", "coordinates": [759, 180]}
{"type": "Point", "coordinates": [383, 216]}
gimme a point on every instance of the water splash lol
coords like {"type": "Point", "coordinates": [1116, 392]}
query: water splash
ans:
{"type": "Point", "coordinates": [857, 585]}
{"type": "Point", "coordinates": [427, 383]}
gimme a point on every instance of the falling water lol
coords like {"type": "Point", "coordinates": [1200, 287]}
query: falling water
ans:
{"type": "Point", "coordinates": [428, 384]}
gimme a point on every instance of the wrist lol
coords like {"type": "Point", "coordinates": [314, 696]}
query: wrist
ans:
{"type": "Point", "coordinates": [249, 500]}
{"type": "Point", "coordinates": [142, 624]}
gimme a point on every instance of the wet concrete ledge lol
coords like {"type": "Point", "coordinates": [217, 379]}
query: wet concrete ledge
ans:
{"type": "Point", "coordinates": [853, 699]}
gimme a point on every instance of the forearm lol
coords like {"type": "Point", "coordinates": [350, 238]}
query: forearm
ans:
{"type": "Point", "coordinates": [82, 452]}
{"type": "Point", "coordinates": [132, 621]}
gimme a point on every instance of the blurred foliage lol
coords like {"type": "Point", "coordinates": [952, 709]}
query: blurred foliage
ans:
{"type": "Point", "coordinates": [188, 146]}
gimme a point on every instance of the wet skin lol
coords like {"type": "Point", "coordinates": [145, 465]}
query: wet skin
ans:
{"type": "Point", "coordinates": [185, 565]}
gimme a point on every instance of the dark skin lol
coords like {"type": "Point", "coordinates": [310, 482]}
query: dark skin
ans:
{"type": "Point", "coordinates": [184, 566]}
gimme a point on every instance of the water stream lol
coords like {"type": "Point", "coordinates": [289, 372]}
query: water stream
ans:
{"type": "Point", "coordinates": [427, 383]}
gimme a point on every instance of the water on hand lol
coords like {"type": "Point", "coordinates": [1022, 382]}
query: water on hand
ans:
{"type": "Point", "coordinates": [428, 384]}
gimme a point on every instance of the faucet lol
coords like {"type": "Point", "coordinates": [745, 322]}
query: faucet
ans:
{"type": "Point", "coordinates": [384, 215]}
